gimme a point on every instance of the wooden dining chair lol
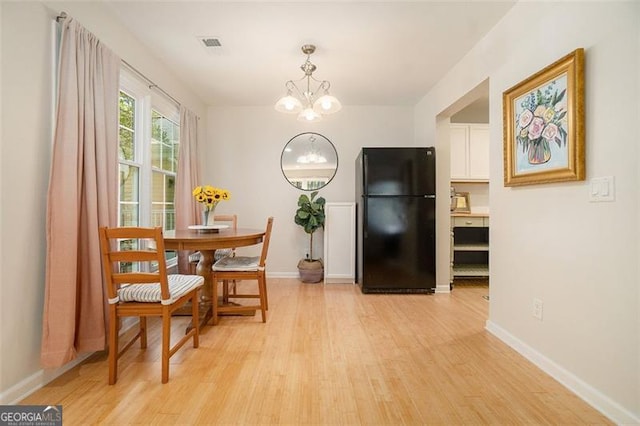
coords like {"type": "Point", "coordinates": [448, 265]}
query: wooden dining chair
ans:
{"type": "Point", "coordinates": [232, 220]}
{"type": "Point", "coordinates": [243, 268]}
{"type": "Point", "coordinates": [138, 285]}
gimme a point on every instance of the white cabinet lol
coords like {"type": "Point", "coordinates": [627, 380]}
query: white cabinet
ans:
{"type": "Point", "coordinates": [339, 242]}
{"type": "Point", "coordinates": [469, 152]}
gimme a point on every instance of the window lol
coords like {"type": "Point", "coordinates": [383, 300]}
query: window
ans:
{"type": "Point", "coordinates": [149, 141]}
{"type": "Point", "coordinates": [129, 168]}
{"type": "Point", "coordinates": [165, 139]}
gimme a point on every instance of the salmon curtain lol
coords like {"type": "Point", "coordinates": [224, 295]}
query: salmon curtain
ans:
{"type": "Point", "coordinates": [82, 196]}
{"type": "Point", "coordinates": [188, 177]}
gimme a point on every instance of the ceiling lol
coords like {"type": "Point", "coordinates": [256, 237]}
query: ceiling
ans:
{"type": "Point", "coordinates": [373, 53]}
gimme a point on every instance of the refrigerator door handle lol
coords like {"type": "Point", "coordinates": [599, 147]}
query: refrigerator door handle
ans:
{"type": "Point", "coordinates": [365, 167]}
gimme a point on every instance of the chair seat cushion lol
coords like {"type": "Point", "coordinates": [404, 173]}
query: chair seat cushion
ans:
{"type": "Point", "coordinates": [238, 263]}
{"type": "Point", "coordinates": [179, 285]}
{"type": "Point", "coordinates": [220, 253]}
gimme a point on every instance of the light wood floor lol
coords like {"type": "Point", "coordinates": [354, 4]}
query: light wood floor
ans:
{"type": "Point", "coordinates": [328, 355]}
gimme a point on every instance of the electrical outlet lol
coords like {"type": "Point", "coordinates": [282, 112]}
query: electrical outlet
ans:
{"type": "Point", "coordinates": [537, 308]}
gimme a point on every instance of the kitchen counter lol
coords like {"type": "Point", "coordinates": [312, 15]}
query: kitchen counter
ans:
{"type": "Point", "coordinates": [472, 214]}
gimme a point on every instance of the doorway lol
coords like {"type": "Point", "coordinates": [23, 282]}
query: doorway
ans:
{"type": "Point", "coordinates": [467, 122]}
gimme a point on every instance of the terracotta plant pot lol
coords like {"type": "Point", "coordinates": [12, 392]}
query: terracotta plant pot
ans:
{"type": "Point", "coordinates": [311, 271]}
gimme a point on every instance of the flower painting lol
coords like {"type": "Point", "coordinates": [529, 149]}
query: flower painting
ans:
{"type": "Point", "coordinates": [544, 124]}
{"type": "Point", "coordinates": [541, 121]}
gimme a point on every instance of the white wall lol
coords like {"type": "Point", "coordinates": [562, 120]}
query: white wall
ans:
{"type": "Point", "coordinates": [243, 148]}
{"type": "Point", "coordinates": [24, 164]}
{"type": "Point", "coordinates": [25, 159]}
{"type": "Point", "coordinates": [548, 241]}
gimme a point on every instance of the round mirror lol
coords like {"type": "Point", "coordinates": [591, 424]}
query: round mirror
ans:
{"type": "Point", "coordinates": [309, 161]}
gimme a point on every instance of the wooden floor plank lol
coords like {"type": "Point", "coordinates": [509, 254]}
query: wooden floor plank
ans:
{"type": "Point", "coordinates": [327, 355]}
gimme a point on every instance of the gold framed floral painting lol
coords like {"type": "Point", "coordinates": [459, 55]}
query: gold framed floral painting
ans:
{"type": "Point", "coordinates": [544, 125]}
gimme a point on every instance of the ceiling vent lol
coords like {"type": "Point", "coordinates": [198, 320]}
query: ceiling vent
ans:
{"type": "Point", "coordinates": [211, 42]}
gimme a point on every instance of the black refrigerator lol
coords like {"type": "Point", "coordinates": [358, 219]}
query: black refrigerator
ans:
{"type": "Point", "coordinates": [396, 200]}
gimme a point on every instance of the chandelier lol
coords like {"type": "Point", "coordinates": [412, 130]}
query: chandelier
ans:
{"type": "Point", "coordinates": [313, 156]}
{"type": "Point", "coordinates": [309, 103]}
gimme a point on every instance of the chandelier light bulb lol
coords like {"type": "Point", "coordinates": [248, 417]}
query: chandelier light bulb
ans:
{"type": "Point", "coordinates": [327, 104]}
{"type": "Point", "coordinates": [289, 104]}
{"type": "Point", "coordinates": [309, 115]}
{"type": "Point", "coordinates": [311, 158]}
{"type": "Point", "coordinates": [321, 159]}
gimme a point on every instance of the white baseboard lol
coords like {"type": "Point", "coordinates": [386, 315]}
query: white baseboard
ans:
{"type": "Point", "coordinates": [445, 288]}
{"type": "Point", "coordinates": [26, 387]}
{"type": "Point", "coordinates": [339, 279]}
{"type": "Point", "coordinates": [283, 274]}
{"type": "Point", "coordinates": [601, 402]}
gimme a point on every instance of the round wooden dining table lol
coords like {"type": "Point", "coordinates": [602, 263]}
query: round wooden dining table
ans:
{"type": "Point", "coordinates": [207, 243]}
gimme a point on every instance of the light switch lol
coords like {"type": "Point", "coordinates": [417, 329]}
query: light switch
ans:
{"type": "Point", "coordinates": [602, 189]}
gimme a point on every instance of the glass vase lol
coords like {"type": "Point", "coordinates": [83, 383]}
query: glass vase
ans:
{"type": "Point", "coordinates": [208, 217]}
{"type": "Point", "coordinates": [540, 152]}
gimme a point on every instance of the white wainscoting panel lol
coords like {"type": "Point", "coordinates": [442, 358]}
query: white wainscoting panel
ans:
{"type": "Point", "coordinates": [339, 243]}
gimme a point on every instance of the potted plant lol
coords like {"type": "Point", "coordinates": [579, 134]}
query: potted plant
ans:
{"type": "Point", "coordinates": [310, 215]}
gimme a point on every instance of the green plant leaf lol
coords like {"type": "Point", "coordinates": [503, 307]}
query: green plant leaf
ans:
{"type": "Point", "coordinates": [559, 97]}
{"type": "Point", "coordinates": [538, 99]}
{"type": "Point", "coordinates": [558, 141]}
{"type": "Point", "coordinates": [303, 199]}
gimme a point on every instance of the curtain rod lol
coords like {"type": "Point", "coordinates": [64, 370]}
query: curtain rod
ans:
{"type": "Point", "coordinates": [63, 15]}
{"type": "Point", "coordinates": [152, 85]}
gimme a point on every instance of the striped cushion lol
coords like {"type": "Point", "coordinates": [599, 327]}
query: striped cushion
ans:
{"type": "Point", "coordinates": [238, 263]}
{"type": "Point", "coordinates": [179, 285]}
{"type": "Point", "coordinates": [220, 253]}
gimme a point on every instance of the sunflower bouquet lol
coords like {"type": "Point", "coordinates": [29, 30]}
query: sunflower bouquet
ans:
{"type": "Point", "coordinates": [209, 197]}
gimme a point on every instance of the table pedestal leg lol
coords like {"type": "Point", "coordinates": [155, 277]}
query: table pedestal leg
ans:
{"type": "Point", "coordinates": [204, 270]}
